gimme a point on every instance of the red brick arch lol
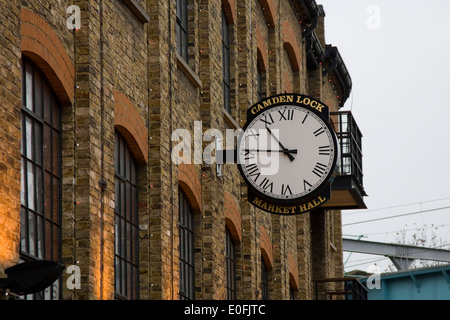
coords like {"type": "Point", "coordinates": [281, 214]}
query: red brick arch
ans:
{"type": "Point", "coordinates": [41, 44]}
{"type": "Point", "coordinates": [189, 182]}
{"type": "Point", "coordinates": [269, 10]}
{"type": "Point", "coordinates": [291, 45]}
{"type": "Point", "coordinates": [263, 58]}
{"type": "Point", "coordinates": [233, 218]}
{"type": "Point", "coordinates": [293, 271]}
{"type": "Point", "coordinates": [129, 123]}
{"type": "Point", "coordinates": [229, 6]}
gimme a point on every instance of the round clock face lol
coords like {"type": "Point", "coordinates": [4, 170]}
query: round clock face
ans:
{"type": "Point", "coordinates": [287, 152]}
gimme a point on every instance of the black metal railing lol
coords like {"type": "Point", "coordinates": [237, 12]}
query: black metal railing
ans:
{"type": "Point", "coordinates": [340, 288]}
{"type": "Point", "coordinates": [350, 144]}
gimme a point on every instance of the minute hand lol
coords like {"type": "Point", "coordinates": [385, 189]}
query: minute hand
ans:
{"type": "Point", "coordinates": [294, 151]}
{"type": "Point", "coordinates": [285, 150]}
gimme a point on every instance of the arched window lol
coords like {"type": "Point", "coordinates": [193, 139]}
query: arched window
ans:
{"type": "Point", "coordinates": [226, 62]}
{"type": "Point", "coordinates": [126, 266]}
{"type": "Point", "coordinates": [182, 29]}
{"type": "Point", "coordinates": [264, 280]}
{"type": "Point", "coordinates": [230, 265]}
{"type": "Point", "coordinates": [187, 248]}
{"type": "Point", "coordinates": [40, 213]}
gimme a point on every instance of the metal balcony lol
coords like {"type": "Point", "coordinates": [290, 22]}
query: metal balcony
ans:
{"type": "Point", "coordinates": [347, 188]}
{"type": "Point", "coordinates": [340, 289]}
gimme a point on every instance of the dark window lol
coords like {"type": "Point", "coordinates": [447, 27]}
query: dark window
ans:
{"type": "Point", "coordinates": [187, 266]}
{"type": "Point", "coordinates": [259, 80]}
{"type": "Point", "coordinates": [126, 223]}
{"type": "Point", "coordinates": [226, 62]}
{"type": "Point", "coordinates": [291, 292]}
{"type": "Point", "coordinates": [40, 213]}
{"type": "Point", "coordinates": [264, 281]}
{"type": "Point", "coordinates": [182, 29]}
{"type": "Point", "coordinates": [230, 266]}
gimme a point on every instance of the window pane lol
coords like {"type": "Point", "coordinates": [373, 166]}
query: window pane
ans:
{"type": "Point", "coordinates": [179, 41]}
{"type": "Point", "coordinates": [47, 147]}
{"type": "Point", "coordinates": [55, 201]}
{"type": "Point", "coordinates": [184, 45]}
{"type": "Point", "coordinates": [48, 240]}
{"type": "Point", "coordinates": [32, 233]}
{"type": "Point", "coordinates": [30, 186]}
{"type": "Point", "coordinates": [55, 152]}
{"type": "Point", "coordinates": [122, 158]}
{"type": "Point", "coordinates": [47, 195]}
{"type": "Point", "coordinates": [123, 207]}
{"type": "Point", "coordinates": [55, 114]}
{"type": "Point", "coordinates": [29, 138]}
{"type": "Point", "coordinates": [23, 229]}
{"type": "Point", "coordinates": [40, 237]}
{"type": "Point", "coordinates": [47, 104]}
{"type": "Point", "coordinates": [29, 87]}
{"type": "Point", "coordinates": [39, 191]}
{"type": "Point", "coordinates": [37, 145]}
{"type": "Point", "coordinates": [127, 165]}
{"type": "Point", "coordinates": [55, 248]}
{"type": "Point", "coordinates": [38, 94]}
{"type": "Point", "coordinates": [22, 183]}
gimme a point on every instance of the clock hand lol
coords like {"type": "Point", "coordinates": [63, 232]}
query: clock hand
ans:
{"type": "Point", "coordinates": [294, 151]}
{"type": "Point", "coordinates": [285, 151]}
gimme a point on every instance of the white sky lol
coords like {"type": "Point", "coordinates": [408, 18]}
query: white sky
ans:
{"type": "Point", "coordinates": [400, 100]}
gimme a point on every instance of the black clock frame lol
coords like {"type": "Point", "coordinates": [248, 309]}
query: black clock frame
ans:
{"type": "Point", "coordinates": [318, 108]}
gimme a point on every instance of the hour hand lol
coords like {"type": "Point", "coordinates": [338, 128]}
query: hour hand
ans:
{"type": "Point", "coordinates": [285, 151]}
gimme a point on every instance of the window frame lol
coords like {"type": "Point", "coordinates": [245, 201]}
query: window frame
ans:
{"type": "Point", "coordinates": [186, 248]}
{"type": "Point", "coordinates": [126, 222]}
{"type": "Point", "coordinates": [182, 28]}
{"type": "Point", "coordinates": [43, 114]}
{"type": "Point", "coordinates": [264, 280]}
{"type": "Point", "coordinates": [226, 63]}
{"type": "Point", "coordinates": [230, 258]}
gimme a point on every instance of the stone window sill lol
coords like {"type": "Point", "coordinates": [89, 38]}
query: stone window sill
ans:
{"type": "Point", "coordinates": [232, 123]}
{"type": "Point", "coordinates": [192, 76]}
{"type": "Point", "coordinates": [138, 11]}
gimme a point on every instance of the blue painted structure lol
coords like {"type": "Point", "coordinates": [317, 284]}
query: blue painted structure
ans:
{"type": "Point", "coordinates": [419, 284]}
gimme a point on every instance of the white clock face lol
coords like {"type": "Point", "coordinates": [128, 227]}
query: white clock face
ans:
{"type": "Point", "coordinates": [287, 152]}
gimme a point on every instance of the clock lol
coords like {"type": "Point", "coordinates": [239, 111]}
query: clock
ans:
{"type": "Point", "coordinates": [288, 150]}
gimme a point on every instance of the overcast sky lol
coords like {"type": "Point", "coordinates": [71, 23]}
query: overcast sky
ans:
{"type": "Point", "coordinates": [398, 55]}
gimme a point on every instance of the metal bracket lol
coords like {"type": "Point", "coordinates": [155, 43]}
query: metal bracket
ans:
{"type": "Point", "coordinates": [415, 281]}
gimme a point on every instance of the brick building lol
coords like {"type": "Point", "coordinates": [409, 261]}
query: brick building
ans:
{"type": "Point", "coordinates": [86, 171]}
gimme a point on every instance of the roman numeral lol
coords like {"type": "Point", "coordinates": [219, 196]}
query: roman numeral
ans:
{"type": "Point", "coordinates": [252, 171]}
{"type": "Point", "coordinates": [319, 131]}
{"type": "Point", "coordinates": [286, 114]}
{"type": "Point", "coordinates": [268, 119]}
{"type": "Point", "coordinates": [319, 169]}
{"type": "Point", "coordinates": [306, 185]}
{"type": "Point", "coordinates": [285, 190]}
{"type": "Point", "coordinates": [249, 155]}
{"type": "Point", "coordinates": [304, 119]}
{"type": "Point", "coordinates": [266, 185]}
{"type": "Point", "coordinates": [324, 151]}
